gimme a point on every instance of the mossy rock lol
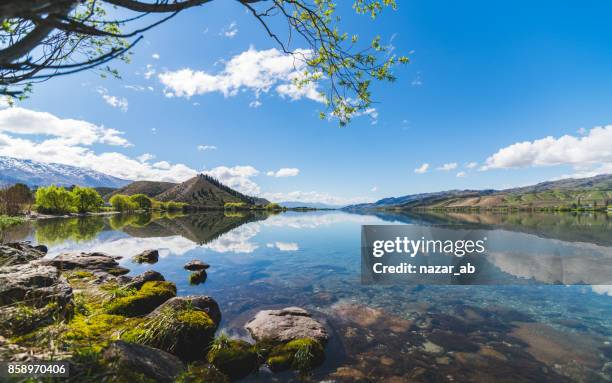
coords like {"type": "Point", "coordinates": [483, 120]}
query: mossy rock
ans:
{"type": "Point", "coordinates": [302, 354]}
{"type": "Point", "coordinates": [235, 358]}
{"type": "Point", "coordinates": [201, 373]}
{"type": "Point", "coordinates": [143, 301]}
{"type": "Point", "coordinates": [197, 277]}
{"type": "Point", "coordinates": [185, 333]}
{"type": "Point", "coordinates": [97, 330]}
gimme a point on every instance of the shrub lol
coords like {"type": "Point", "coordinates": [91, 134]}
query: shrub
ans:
{"type": "Point", "coordinates": [86, 199]}
{"type": "Point", "coordinates": [142, 201]}
{"type": "Point", "coordinates": [54, 200]}
{"type": "Point", "coordinates": [274, 206]}
{"type": "Point", "coordinates": [123, 203]}
{"type": "Point", "coordinates": [15, 199]}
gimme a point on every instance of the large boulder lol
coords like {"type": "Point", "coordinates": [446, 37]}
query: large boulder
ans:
{"type": "Point", "coordinates": [131, 359]}
{"type": "Point", "coordinates": [18, 253]}
{"type": "Point", "coordinates": [285, 325]}
{"type": "Point", "coordinates": [31, 296]}
{"type": "Point", "coordinates": [38, 285]}
{"type": "Point", "coordinates": [181, 326]}
{"type": "Point", "coordinates": [94, 262]}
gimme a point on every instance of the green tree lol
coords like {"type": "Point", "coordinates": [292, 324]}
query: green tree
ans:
{"type": "Point", "coordinates": [123, 203]}
{"type": "Point", "coordinates": [86, 199]}
{"type": "Point", "coordinates": [143, 202]}
{"type": "Point", "coordinates": [54, 200]}
{"type": "Point", "coordinates": [53, 38]}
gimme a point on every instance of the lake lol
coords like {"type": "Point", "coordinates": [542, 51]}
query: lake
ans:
{"type": "Point", "coordinates": [383, 333]}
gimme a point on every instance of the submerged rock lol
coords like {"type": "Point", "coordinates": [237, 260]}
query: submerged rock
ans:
{"type": "Point", "coordinates": [196, 265]}
{"type": "Point", "coordinates": [95, 262]}
{"type": "Point", "coordinates": [131, 358]}
{"type": "Point", "coordinates": [198, 277]}
{"type": "Point", "coordinates": [18, 253]}
{"type": "Point", "coordinates": [179, 326]}
{"type": "Point", "coordinates": [147, 256]}
{"type": "Point", "coordinates": [285, 325]}
{"type": "Point", "coordinates": [140, 279]}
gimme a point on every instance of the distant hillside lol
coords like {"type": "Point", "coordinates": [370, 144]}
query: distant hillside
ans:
{"type": "Point", "coordinates": [589, 193]}
{"type": "Point", "coordinates": [33, 173]}
{"type": "Point", "coordinates": [148, 188]}
{"type": "Point", "coordinates": [204, 191]}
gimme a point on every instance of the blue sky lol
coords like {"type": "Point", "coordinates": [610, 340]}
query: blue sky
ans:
{"type": "Point", "coordinates": [483, 76]}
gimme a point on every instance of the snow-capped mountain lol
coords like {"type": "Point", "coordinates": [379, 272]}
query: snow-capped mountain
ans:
{"type": "Point", "coordinates": [35, 173]}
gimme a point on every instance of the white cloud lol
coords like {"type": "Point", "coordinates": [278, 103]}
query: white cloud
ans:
{"type": "Point", "coordinates": [114, 101]}
{"type": "Point", "coordinates": [149, 72]}
{"type": "Point", "coordinates": [448, 167]}
{"type": "Point", "coordinates": [145, 157]}
{"type": "Point", "coordinates": [285, 246]}
{"type": "Point", "coordinates": [257, 71]}
{"type": "Point", "coordinates": [471, 165]}
{"type": "Point", "coordinates": [203, 148]}
{"type": "Point", "coordinates": [237, 177]}
{"type": "Point", "coordinates": [422, 169]}
{"type": "Point", "coordinates": [66, 131]}
{"type": "Point", "coordinates": [155, 56]}
{"type": "Point", "coordinates": [461, 174]}
{"type": "Point", "coordinates": [69, 141]}
{"type": "Point", "coordinates": [255, 104]}
{"type": "Point", "coordinates": [589, 154]}
{"type": "Point", "coordinates": [375, 188]}
{"type": "Point", "coordinates": [284, 172]}
{"type": "Point", "coordinates": [314, 197]}
{"type": "Point", "coordinates": [230, 31]}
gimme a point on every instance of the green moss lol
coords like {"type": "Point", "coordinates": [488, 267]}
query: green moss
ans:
{"type": "Point", "coordinates": [143, 301]}
{"type": "Point", "coordinates": [235, 358]}
{"type": "Point", "coordinates": [183, 332]}
{"type": "Point", "coordinates": [302, 354]}
{"type": "Point", "coordinates": [95, 331]}
{"type": "Point", "coordinates": [201, 373]}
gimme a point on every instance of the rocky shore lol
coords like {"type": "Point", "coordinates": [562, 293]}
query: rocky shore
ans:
{"type": "Point", "coordinates": [84, 309]}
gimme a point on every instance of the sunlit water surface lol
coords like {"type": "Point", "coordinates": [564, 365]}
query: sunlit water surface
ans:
{"type": "Point", "coordinates": [394, 333]}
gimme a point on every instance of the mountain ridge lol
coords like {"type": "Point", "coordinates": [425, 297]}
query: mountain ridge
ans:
{"type": "Point", "coordinates": [35, 173]}
{"type": "Point", "coordinates": [565, 193]}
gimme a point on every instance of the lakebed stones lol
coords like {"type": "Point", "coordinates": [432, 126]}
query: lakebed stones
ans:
{"type": "Point", "coordinates": [285, 325]}
{"type": "Point", "coordinates": [19, 253]}
{"type": "Point", "coordinates": [94, 262]}
{"type": "Point", "coordinates": [196, 265]}
{"type": "Point", "coordinates": [131, 358]}
{"type": "Point", "coordinates": [147, 256]}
